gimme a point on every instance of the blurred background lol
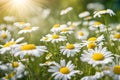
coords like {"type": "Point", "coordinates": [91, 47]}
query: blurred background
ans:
{"type": "Point", "coordinates": [46, 13]}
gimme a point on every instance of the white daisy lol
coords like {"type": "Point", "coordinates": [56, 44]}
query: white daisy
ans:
{"type": "Point", "coordinates": [70, 49]}
{"type": "Point", "coordinates": [82, 34]}
{"type": "Point", "coordinates": [29, 49]}
{"type": "Point", "coordinates": [45, 39]}
{"type": "Point", "coordinates": [56, 38]}
{"type": "Point", "coordinates": [98, 75]}
{"type": "Point", "coordinates": [84, 14]}
{"type": "Point", "coordinates": [18, 68]}
{"type": "Point", "coordinates": [97, 56]}
{"type": "Point", "coordinates": [21, 24]}
{"type": "Point", "coordinates": [65, 11]}
{"type": "Point", "coordinates": [115, 36]}
{"type": "Point", "coordinates": [28, 29]}
{"type": "Point", "coordinates": [99, 13]}
{"type": "Point", "coordinates": [63, 71]}
{"type": "Point", "coordinates": [96, 25]}
{"type": "Point", "coordinates": [66, 30]}
{"type": "Point", "coordinates": [8, 46]}
{"type": "Point", "coordinates": [57, 27]}
{"type": "Point", "coordinates": [93, 42]}
{"type": "Point", "coordinates": [5, 36]}
{"type": "Point", "coordinates": [113, 70]}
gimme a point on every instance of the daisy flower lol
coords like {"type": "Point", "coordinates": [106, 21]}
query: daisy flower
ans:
{"type": "Point", "coordinates": [115, 36]}
{"type": "Point", "coordinates": [66, 30]}
{"type": "Point", "coordinates": [93, 42]}
{"type": "Point", "coordinates": [57, 27]}
{"type": "Point", "coordinates": [98, 75]}
{"type": "Point", "coordinates": [56, 38]}
{"type": "Point", "coordinates": [28, 29]}
{"type": "Point", "coordinates": [99, 13]}
{"type": "Point", "coordinates": [45, 39]}
{"type": "Point", "coordinates": [84, 14]}
{"type": "Point", "coordinates": [65, 11]}
{"type": "Point", "coordinates": [21, 24]}
{"type": "Point", "coordinates": [97, 56]}
{"type": "Point", "coordinates": [113, 70]}
{"type": "Point", "coordinates": [8, 46]}
{"type": "Point", "coordinates": [70, 49]}
{"type": "Point", "coordinates": [82, 34]}
{"type": "Point", "coordinates": [95, 25]}
{"type": "Point", "coordinates": [18, 68]}
{"type": "Point", "coordinates": [5, 36]}
{"type": "Point", "coordinates": [30, 49]}
{"type": "Point", "coordinates": [63, 71]}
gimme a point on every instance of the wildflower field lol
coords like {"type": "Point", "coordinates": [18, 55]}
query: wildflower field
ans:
{"type": "Point", "coordinates": [59, 40]}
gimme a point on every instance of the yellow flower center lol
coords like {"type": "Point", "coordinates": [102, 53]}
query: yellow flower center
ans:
{"type": "Point", "coordinates": [64, 70]}
{"type": "Point", "coordinates": [116, 69]}
{"type": "Point", "coordinates": [27, 28]}
{"type": "Point", "coordinates": [81, 33]}
{"type": "Point", "coordinates": [56, 26]}
{"type": "Point", "coordinates": [28, 47]}
{"type": "Point", "coordinates": [55, 36]}
{"type": "Point", "coordinates": [117, 36]}
{"type": "Point", "coordinates": [65, 30]}
{"type": "Point", "coordinates": [97, 56]}
{"type": "Point", "coordinates": [91, 45]}
{"type": "Point", "coordinates": [15, 64]}
{"type": "Point", "coordinates": [9, 76]}
{"type": "Point", "coordinates": [97, 24]}
{"type": "Point", "coordinates": [8, 44]}
{"type": "Point", "coordinates": [70, 46]}
{"type": "Point", "coordinates": [92, 39]}
{"type": "Point", "coordinates": [4, 36]}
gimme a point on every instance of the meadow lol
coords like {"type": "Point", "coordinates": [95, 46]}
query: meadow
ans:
{"type": "Point", "coordinates": [59, 40]}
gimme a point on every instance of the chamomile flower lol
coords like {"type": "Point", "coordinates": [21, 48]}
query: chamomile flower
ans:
{"type": "Point", "coordinates": [96, 25]}
{"type": "Point", "coordinates": [84, 14]}
{"type": "Point", "coordinates": [82, 34]}
{"type": "Point", "coordinates": [45, 39]}
{"type": "Point", "coordinates": [63, 71]}
{"type": "Point", "coordinates": [56, 38]}
{"type": "Point", "coordinates": [28, 29]}
{"type": "Point", "coordinates": [21, 24]}
{"type": "Point", "coordinates": [97, 56]}
{"type": "Point", "coordinates": [9, 45]}
{"type": "Point", "coordinates": [17, 67]}
{"type": "Point", "coordinates": [113, 70]}
{"type": "Point", "coordinates": [70, 49]}
{"type": "Point", "coordinates": [93, 42]}
{"type": "Point", "coordinates": [115, 36]}
{"type": "Point", "coordinates": [30, 49]}
{"type": "Point", "coordinates": [57, 27]}
{"type": "Point", "coordinates": [66, 30]}
{"type": "Point", "coordinates": [98, 75]}
{"type": "Point", "coordinates": [99, 13]}
{"type": "Point", "coordinates": [65, 11]}
{"type": "Point", "coordinates": [5, 36]}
